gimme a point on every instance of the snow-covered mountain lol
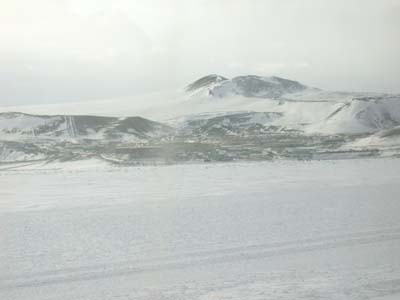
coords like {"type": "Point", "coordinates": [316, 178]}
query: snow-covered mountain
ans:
{"type": "Point", "coordinates": [388, 139]}
{"type": "Point", "coordinates": [234, 123]}
{"type": "Point", "coordinates": [213, 118]}
{"type": "Point", "coordinates": [301, 107]}
{"type": "Point", "coordinates": [205, 82]}
{"type": "Point", "coordinates": [362, 115]}
{"type": "Point", "coordinates": [247, 86]}
{"type": "Point", "coordinates": [15, 125]}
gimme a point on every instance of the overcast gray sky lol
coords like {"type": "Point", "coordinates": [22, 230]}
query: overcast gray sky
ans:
{"type": "Point", "coordinates": [70, 50]}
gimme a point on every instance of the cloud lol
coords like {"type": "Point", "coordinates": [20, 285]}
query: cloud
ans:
{"type": "Point", "coordinates": [76, 50]}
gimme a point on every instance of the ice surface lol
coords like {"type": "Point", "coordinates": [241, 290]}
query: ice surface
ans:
{"type": "Point", "coordinates": [277, 230]}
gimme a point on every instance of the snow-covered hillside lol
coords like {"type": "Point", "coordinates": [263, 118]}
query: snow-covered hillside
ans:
{"type": "Point", "coordinates": [388, 139]}
{"type": "Point", "coordinates": [302, 107]}
{"type": "Point", "coordinates": [276, 116]}
{"type": "Point", "coordinates": [14, 126]}
{"type": "Point", "coordinates": [247, 86]}
{"type": "Point", "coordinates": [362, 115]}
{"type": "Point", "coordinates": [224, 123]}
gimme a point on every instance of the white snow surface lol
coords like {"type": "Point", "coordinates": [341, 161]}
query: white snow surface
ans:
{"type": "Point", "coordinates": [273, 230]}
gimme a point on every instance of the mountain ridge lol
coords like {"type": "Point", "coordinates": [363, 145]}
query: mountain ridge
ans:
{"type": "Point", "coordinates": [246, 85]}
{"type": "Point", "coordinates": [244, 118]}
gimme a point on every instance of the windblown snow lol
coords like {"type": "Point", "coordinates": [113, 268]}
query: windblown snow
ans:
{"type": "Point", "coordinates": [272, 230]}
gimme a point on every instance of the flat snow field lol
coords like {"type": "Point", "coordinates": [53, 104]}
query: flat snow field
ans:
{"type": "Point", "coordinates": [273, 230]}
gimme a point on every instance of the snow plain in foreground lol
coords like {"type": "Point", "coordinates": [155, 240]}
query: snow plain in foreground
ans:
{"type": "Point", "coordinates": [273, 230]}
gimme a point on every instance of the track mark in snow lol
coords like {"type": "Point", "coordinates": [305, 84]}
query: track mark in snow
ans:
{"type": "Point", "coordinates": [338, 110]}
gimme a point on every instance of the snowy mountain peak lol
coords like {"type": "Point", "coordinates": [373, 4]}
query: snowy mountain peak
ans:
{"type": "Point", "coordinates": [257, 86]}
{"type": "Point", "coordinates": [205, 81]}
{"type": "Point", "coordinates": [247, 86]}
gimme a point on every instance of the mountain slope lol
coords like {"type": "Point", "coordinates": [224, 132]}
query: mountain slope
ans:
{"type": "Point", "coordinates": [246, 86]}
{"type": "Point", "coordinates": [20, 125]}
{"type": "Point", "coordinates": [239, 123]}
{"type": "Point", "coordinates": [246, 117]}
{"type": "Point", "coordinates": [302, 107]}
{"type": "Point", "coordinates": [362, 115]}
{"type": "Point", "coordinates": [205, 82]}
